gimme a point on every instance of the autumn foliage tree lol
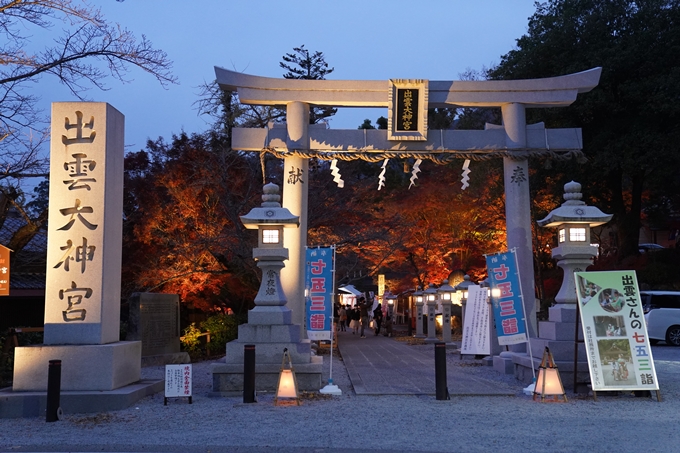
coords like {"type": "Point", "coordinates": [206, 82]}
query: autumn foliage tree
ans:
{"type": "Point", "coordinates": [182, 229]}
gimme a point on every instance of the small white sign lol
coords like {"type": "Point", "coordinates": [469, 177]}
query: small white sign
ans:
{"type": "Point", "coordinates": [178, 380]}
{"type": "Point", "coordinates": [476, 325]}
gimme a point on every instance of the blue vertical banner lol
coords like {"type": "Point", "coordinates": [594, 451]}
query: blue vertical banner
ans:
{"type": "Point", "coordinates": [319, 264]}
{"type": "Point", "coordinates": [506, 298]}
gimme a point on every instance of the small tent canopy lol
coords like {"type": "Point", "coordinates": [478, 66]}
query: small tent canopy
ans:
{"type": "Point", "coordinates": [349, 295]}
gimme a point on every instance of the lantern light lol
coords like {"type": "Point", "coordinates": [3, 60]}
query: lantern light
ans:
{"type": "Point", "coordinates": [548, 382]}
{"type": "Point", "coordinates": [287, 388]}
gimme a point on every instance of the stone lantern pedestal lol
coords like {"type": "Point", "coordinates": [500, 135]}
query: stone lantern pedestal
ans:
{"type": "Point", "coordinates": [269, 326]}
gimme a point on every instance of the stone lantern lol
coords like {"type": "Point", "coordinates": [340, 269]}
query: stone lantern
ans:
{"type": "Point", "coordinates": [574, 253]}
{"type": "Point", "coordinates": [269, 328]}
{"type": "Point", "coordinates": [418, 297]}
{"type": "Point", "coordinates": [431, 304]}
{"type": "Point", "coordinates": [446, 294]}
{"type": "Point", "coordinates": [462, 295]}
{"type": "Point", "coordinates": [270, 219]}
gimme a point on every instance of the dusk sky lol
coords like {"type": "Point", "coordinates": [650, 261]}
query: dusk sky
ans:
{"type": "Point", "coordinates": [362, 40]}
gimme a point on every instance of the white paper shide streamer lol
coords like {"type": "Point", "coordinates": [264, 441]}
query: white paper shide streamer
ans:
{"type": "Point", "coordinates": [466, 172]}
{"type": "Point", "coordinates": [414, 173]}
{"type": "Point", "coordinates": [381, 178]}
{"type": "Point", "coordinates": [336, 174]}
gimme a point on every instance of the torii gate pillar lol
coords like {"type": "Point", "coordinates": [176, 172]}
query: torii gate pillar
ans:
{"type": "Point", "coordinates": [295, 195]}
{"type": "Point", "coordinates": [518, 208]}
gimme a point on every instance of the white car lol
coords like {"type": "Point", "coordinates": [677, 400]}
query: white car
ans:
{"type": "Point", "coordinates": [662, 315]}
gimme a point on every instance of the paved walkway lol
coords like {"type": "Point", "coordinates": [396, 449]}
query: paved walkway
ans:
{"type": "Point", "coordinates": [379, 365]}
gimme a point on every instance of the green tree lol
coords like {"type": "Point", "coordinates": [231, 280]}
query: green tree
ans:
{"type": "Point", "coordinates": [630, 121]}
{"type": "Point", "coordinates": [301, 64]}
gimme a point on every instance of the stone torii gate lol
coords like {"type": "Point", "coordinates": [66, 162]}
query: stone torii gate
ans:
{"type": "Point", "coordinates": [407, 135]}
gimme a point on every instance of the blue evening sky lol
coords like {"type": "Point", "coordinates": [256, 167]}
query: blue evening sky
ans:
{"type": "Point", "coordinates": [362, 40]}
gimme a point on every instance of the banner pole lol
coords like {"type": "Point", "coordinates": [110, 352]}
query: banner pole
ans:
{"type": "Point", "coordinates": [330, 377]}
{"type": "Point", "coordinates": [526, 323]}
{"type": "Point", "coordinates": [332, 389]}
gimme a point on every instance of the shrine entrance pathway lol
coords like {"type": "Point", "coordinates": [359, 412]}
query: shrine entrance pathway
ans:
{"type": "Point", "coordinates": [380, 365]}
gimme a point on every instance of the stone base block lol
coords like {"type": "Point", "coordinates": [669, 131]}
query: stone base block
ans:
{"type": "Point", "coordinates": [562, 331]}
{"type": "Point", "coordinates": [166, 359]}
{"type": "Point", "coordinates": [562, 313]}
{"type": "Point", "coordinates": [503, 365]}
{"type": "Point", "coordinates": [101, 367]}
{"type": "Point", "coordinates": [228, 378]}
{"type": "Point", "coordinates": [275, 333]}
{"type": "Point", "coordinates": [34, 404]}
{"type": "Point", "coordinates": [561, 350]}
{"type": "Point", "coordinates": [270, 353]}
{"type": "Point", "coordinates": [270, 315]}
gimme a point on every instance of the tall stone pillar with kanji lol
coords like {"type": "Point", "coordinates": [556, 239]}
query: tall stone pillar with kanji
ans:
{"type": "Point", "coordinates": [82, 294]}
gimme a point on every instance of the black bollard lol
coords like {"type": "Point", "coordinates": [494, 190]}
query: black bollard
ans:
{"type": "Point", "coordinates": [440, 371]}
{"type": "Point", "coordinates": [249, 373]}
{"type": "Point", "coordinates": [53, 391]}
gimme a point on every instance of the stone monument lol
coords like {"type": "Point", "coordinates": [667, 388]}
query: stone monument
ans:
{"type": "Point", "coordinates": [270, 327]}
{"type": "Point", "coordinates": [82, 297]}
{"type": "Point", "coordinates": [154, 320]}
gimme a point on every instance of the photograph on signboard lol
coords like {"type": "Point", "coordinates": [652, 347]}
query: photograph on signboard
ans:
{"type": "Point", "coordinates": [614, 331]}
{"type": "Point", "coordinates": [609, 326]}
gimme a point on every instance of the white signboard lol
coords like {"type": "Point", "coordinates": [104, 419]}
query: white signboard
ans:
{"type": "Point", "coordinates": [476, 324]}
{"type": "Point", "coordinates": [614, 330]}
{"type": "Point", "coordinates": [178, 380]}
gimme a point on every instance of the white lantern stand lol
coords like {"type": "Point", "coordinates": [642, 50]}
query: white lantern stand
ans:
{"type": "Point", "coordinates": [287, 390]}
{"type": "Point", "coordinates": [548, 382]}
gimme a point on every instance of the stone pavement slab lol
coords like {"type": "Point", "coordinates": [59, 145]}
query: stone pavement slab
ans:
{"type": "Point", "coordinates": [379, 365]}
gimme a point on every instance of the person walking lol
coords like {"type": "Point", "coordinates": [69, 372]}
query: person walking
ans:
{"type": "Point", "coordinates": [363, 315]}
{"type": "Point", "coordinates": [355, 320]}
{"type": "Point", "coordinates": [377, 317]}
{"type": "Point", "coordinates": [342, 318]}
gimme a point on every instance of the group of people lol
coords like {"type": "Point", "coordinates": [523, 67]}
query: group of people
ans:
{"type": "Point", "coordinates": [612, 301]}
{"type": "Point", "coordinates": [619, 368]}
{"type": "Point", "coordinates": [357, 318]}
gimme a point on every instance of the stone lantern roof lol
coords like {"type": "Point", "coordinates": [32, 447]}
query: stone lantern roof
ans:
{"type": "Point", "coordinates": [270, 212]}
{"type": "Point", "coordinates": [573, 210]}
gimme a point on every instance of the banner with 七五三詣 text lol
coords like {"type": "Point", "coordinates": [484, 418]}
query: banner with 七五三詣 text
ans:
{"type": "Point", "coordinates": [319, 266]}
{"type": "Point", "coordinates": [614, 331]}
{"type": "Point", "coordinates": [506, 298]}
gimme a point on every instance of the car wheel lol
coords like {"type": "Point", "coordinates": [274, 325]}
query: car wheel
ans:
{"type": "Point", "coordinates": [673, 335]}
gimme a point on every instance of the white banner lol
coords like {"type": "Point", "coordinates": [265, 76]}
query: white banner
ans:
{"type": "Point", "coordinates": [476, 324]}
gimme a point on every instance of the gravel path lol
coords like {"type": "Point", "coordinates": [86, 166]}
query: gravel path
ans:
{"type": "Point", "coordinates": [351, 423]}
